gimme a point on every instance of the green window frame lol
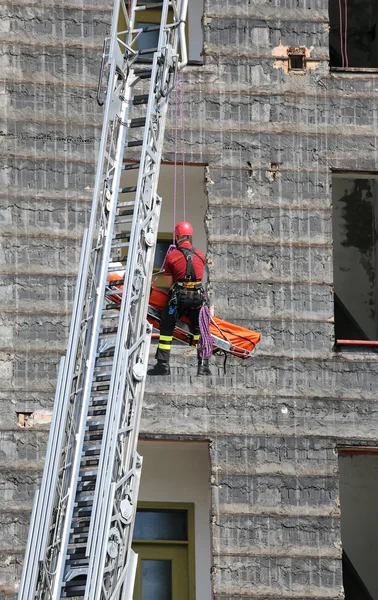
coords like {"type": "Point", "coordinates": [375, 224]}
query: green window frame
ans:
{"type": "Point", "coordinates": [189, 544]}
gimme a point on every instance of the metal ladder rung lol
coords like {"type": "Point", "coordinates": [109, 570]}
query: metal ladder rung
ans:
{"type": "Point", "coordinates": [134, 144]}
{"type": "Point", "coordinates": [71, 551]}
{"type": "Point", "coordinates": [109, 331]}
{"type": "Point", "coordinates": [150, 28]}
{"type": "Point", "coordinates": [146, 51]}
{"type": "Point", "coordinates": [85, 474]}
{"type": "Point", "coordinates": [78, 539]}
{"type": "Point", "coordinates": [95, 425]}
{"type": "Point", "coordinates": [131, 166]}
{"type": "Point", "coordinates": [137, 122]}
{"type": "Point", "coordinates": [78, 562]}
{"type": "Point", "coordinates": [129, 204]}
{"type": "Point", "coordinates": [79, 527]}
{"type": "Point", "coordinates": [110, 307]}
{"type": "Point", "coordinates": [102, 377]}
{"type": "Point", "coordinates": [99, 388]}
{"type": "Point", "coordinates": [93, 437]}
{"type": "Point", "coordinates": [89, 461]}
{"type": "Point", "coordinates": [143, 73]}
{"type": "Point", "coordinates": [114, 269]}
{"type": "Point", "coordinates": [140, 99]}
{"type": "Point", "coordinates": [140, 7]}
{"type": "Point", "coordinates": [127, 190]}
{"type": "Point", "coordinates": [98, 401]}
{"type": "Point", "coordinates": [84, 500]}
{"type": "Point", "coordinates": [107, 353]}
{"type": "Point", "coordinates": [113, 284]}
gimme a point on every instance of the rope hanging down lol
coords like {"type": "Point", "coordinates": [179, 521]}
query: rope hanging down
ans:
{"type": "Point", "coordinates": [179, 98]}
{"type": "Point", "coordinates": [344, 33]}
{"type": "Point", "coordinates": [206, 340]}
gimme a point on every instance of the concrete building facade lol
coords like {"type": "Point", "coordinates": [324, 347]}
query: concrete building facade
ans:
{"type": "Point", "coordinates": [271, 122]}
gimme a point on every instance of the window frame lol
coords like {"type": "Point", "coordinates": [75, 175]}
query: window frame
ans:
{"type": "Point", "coordinates": [189, 508]}
{"type": "Point", "coordinates": [349, 174]}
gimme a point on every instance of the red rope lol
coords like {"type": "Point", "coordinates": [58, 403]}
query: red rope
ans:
{"type": "Point", "coordinates": [183, 146]}
{"type": "Point", "coordinates": [341, 35]}
{"type": "Point", "coordinates": [175, 158]}
{"type": "Point", "coordinates": [346, 33]}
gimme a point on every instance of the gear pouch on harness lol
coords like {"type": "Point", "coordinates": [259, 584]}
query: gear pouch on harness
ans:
{"type": "Point", "coordinates": [189, 297]}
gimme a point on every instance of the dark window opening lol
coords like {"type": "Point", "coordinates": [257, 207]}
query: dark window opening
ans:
{"type": "Point", "coordinates": [296, 62]}
{"type": "Point", "coordinates": [352, 38]}
{"type": "Point", "coordinates": [161, 524]}
{"type": "Point", "coordinates": [162, 245]}
{"type": "Point", "coordinates": [355, 256]}
{"type": "Point", "coordinates": [358, 473]}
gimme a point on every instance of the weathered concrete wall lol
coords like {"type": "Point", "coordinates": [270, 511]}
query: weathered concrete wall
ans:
{"type": "Point", "coordinates": [273, 422]}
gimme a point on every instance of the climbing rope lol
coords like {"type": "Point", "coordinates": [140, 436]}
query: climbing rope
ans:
{"type": "Point", "coordinates": [344, 33]}
{"type": "Point", "coordinates": [175, 158]}
{"type": "Point", "coordinates": [206, 341]}
{"type": "Point", "coordinates": [183, 145]}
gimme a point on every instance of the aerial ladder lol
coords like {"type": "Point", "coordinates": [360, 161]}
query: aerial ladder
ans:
{"type": "Point", "coordinates": [79, 542]}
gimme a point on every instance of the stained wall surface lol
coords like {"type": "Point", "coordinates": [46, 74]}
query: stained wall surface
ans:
{"type": "Point", "coordinates": [270, 139]}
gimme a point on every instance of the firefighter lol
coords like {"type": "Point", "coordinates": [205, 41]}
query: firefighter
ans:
{"type": "Point", "coordinates": [184, 270]}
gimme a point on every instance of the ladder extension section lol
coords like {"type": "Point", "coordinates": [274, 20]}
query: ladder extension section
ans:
{"type": "Point", "coordinates": [79, 542]}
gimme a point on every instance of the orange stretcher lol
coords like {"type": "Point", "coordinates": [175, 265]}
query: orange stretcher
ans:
{"type": "Point", "coordinates": [227, 338]}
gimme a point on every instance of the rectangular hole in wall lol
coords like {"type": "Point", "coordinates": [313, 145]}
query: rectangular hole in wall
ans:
{"type": "Point", "coordinates": [355, 255]}
{"type": "Point", "coordinates": [353, 34]}
{"type": "Point", "coordinates": [195, 204]}
{"type": "Point", "coordinates": [24, 419]}
{"type": "Point", "coordinates": [358, 471]}
{"type": "Point", "coordinates": [173, 521]}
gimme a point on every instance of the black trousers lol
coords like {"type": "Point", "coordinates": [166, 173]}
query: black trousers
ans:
{"type": "Point", "coordinates": [167, 324]}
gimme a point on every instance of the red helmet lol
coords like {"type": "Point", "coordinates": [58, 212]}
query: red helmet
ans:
{"type": "Point", "coordinates": [183, 228]}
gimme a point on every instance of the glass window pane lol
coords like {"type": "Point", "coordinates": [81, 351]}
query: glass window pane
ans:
{"type": "Point", "coordinates": [161, 525]}
{"type": "Point", "coordinates": [156, 580]}
{"type": "Point", "coordinates": [160, 252]}
{"type": "Point", "coordinates": [149, 39]}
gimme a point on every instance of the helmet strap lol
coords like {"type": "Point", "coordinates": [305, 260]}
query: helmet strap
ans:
{"type": "Point", "coordinates": [182, 238]}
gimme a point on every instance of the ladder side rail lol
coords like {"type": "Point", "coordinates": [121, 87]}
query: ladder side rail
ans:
{"type": "Point", "coordinates": [29, 557]}
{"type": "Point", "coordinates": [110, 443]}
{"type": "Point", "coordinates": [40, 521]}
{"type": "Point", "coordinates": [128, 586]}
{"type": "Point", "coordinates": [46, 496]}
{"type": "Point", "coordinates": [99, 490]}
{"type": "Point", "coordinates": [132, 485]}
{"type": "Point", "coordinates": [124, 323]}
{"type": "Point", "coordinates": [88, 284]}
{"type": "Point", "coordinates": [155, 142]}
{"type": "Point", "coordinates": [85, 286]}
{"type": "Point", "coordinates": [143, 309]}
{"type": "Point", "coordinates": [120, 340]}
{"type": "Point", "coordinates": [114, 520]}
{"type": "Point", "coordinates": [182, 37]}
{"type": "Point", "coordinates": [129, 274]}
{"type": "Point", "coordinates": [59, 457]}
{"type": "Point", "coordinates": [103, 261]}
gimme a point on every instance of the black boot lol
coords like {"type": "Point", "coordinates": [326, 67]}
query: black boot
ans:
{"type": "Point", "coordinates": [203, 366]}
{"type": "Point", "coordinates": [161, 368]}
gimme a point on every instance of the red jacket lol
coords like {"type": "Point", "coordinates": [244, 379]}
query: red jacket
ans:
{"type": "Point", "coordinates": [175, 265]}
